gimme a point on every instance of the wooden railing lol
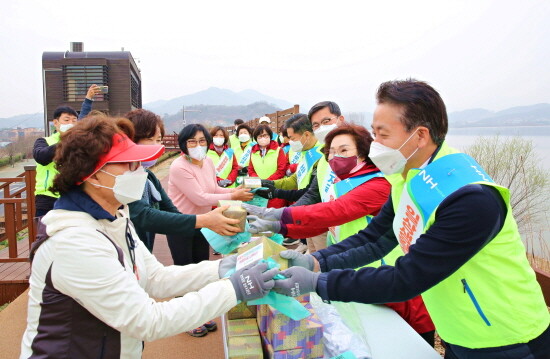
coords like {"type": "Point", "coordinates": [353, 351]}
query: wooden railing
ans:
{"type": "Point", "coordinates": [277, 119]}
{"type": "Point", "coordinates": [18, 212]}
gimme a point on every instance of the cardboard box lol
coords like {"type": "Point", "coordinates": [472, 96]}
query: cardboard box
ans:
{"type": "Point", "coordinates": [252, 182]}
{"type": "Point", "coordinates": [235, 211]}
{"type": "Point", "coordinates": [242, 311]}
{"type": "Point", "coordinates": [263, 248]}
{"type": "Point", "coordinates": [245, 347]}
{"type": "Point", "coordinates": [284, 333]}
{"type": "Point", "coordinates": [270, 353]}
{"type": "Point", "coordinates": [242, 328]}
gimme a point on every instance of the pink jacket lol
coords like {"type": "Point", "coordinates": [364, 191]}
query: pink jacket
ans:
{"type": "Point", "coordinates": [194, 190]}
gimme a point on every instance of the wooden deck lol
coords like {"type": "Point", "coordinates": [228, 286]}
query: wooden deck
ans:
{"type": "Point", "coordinates": [14, 277]}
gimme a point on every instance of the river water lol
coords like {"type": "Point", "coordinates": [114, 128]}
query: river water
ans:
{"type": "Point", "coordinates": [537, 240]}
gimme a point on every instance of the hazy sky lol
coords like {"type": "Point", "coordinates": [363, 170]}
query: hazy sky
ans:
{"type": "Point", "coordinates": [489, 54]}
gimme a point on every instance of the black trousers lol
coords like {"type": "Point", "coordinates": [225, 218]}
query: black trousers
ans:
{"type": "Point", "coordinates": [188, 248]}
{"type": "Point", "coordinates": [538, 348]}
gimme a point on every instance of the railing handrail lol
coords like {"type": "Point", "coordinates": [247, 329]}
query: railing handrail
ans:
{"type": "Point", "coordinates": [13, 211]}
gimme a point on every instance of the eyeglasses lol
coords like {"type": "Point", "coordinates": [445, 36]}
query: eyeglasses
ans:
{"type": "Point", "coordinates": [342, 151]}
{"type": "Point", "coordinates": [323, 122]}
{"type": "Point", "coordinates": [193, 143]}
{"type": "Point", "coordinates": [265, 135]}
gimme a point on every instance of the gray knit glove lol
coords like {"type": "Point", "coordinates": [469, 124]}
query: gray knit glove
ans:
{"type": "Point", "coordinates": [298, 259]}
{"type": "Point", "coordinates": [272, 214]}
{"type": "Point", "coordinates": [253, 281]}
{"type": "Point", "coordinates": [298, 281]}
{"type": "Point", "coordinates": [257, 225]}
{"type": "Point", "coordinates": [226, 264]}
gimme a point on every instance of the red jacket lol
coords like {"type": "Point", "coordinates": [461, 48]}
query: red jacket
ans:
{"type": "Point", "coordinates": [308, 221]}
{"type": "Point", "coordinates": [282, 162]}
{"type": "Point", "coordinates": [291, 166]}
{"type": "Point", "coordinates": [368, 198]}
{"type": "Point", "coordinates": [234, 168]}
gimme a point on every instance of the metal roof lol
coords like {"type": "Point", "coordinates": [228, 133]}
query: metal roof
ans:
{"type": "Point", "coordinates": [110, 55]}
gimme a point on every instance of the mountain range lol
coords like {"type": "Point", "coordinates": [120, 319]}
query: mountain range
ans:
{"type": "Point", "coordinates": [214, 96]}
{"type": "Point", "coordinates": [222, 106]}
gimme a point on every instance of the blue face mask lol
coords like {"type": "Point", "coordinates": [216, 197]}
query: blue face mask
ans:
{"type": "Point", "coordinates": [147, 164]}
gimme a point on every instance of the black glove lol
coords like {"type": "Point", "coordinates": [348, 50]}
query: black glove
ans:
{"type": "Point", "coordinates": [268, 193]}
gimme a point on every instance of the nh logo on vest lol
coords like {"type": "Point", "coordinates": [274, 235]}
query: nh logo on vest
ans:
{"type": "Point", "coordinates": [427, 179]}
{"type": "Point", "coordinates": [408, 227]}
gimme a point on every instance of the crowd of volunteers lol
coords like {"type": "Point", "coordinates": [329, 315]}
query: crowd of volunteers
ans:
{"type": "Point", "coordinates": [391, 216]}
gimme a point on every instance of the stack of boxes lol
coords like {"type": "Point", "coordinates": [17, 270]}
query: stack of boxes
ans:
{"type": "Point", "coordinates": [243, 338]}
{"type": "Point", "coordinates": [284, 338]}
{"type": "Point", "coordinates": [251, 328]}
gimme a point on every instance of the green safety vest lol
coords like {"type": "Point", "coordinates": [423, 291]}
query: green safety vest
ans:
{"type": "Point", "coordinates": [234, 142]}
{"type": "Point", "coordinates": [243, 155]}
{"type": "Point", "coordinates": [293, 157]}
{"type": "Point", "coordinates": [223, 164]}
{"type": "Point", "coordinates": [330, 191]}
{"type": "Point", "coordinates": [308, 160]}
{"type": "Point", "coordinates": [493, 299]}
{"type": "Point", "coordinates": [267, 165]}
{"type": "Point", "coordinates": [46, 174]}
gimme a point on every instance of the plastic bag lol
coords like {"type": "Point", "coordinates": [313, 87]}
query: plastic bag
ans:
{"type": "Point", "coordinates": [338, 337]}
{"type": "Point", "coordinates": [257, 200]}
{"type": "Point", "coordinates": [226, 244]}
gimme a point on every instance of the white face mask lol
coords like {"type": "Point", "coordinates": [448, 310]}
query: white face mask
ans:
{"type": "Point", "coordinates": [128, 186]}
{"type": "Point", "coordinates": [322, 132]}
{"type": "Point", "coordinates": [263, 142]}
{"type": "Point", "coordinates": [244, 137]}
{"type": "Point", "coordinates": [198, 153]}
{"type": "Point", "coordinates": [387, 159]}
{"type": "Point", "coordinates": [296, 146]}
{"type": "Point", "coordinates": [219, 141]}
{"type": "Point", "coordinates": [64, 127]}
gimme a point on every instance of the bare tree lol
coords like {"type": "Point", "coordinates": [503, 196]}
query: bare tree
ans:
{"type": "Point", "coordinates": [512, 163]}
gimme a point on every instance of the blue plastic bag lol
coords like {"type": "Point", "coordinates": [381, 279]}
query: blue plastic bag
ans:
{"type": "Point", "coordinates": [257, 200]}
{"type": "Point", "coordinates": [289, 306]}
{"type": "Point", "coordinates": [226, 244]}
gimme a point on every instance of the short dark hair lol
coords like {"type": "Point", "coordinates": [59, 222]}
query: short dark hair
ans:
{"type": "Point", "coordinates": [283, 130]}
{"type": "Point", "coordinates": [246, 127]}
{"type": "Point", "coordinates": [361, 137]}
{"type": "Point", "coordinates": [190, 131]}
{"type": "Point", "coordinates": [261, 128]}
{"type": "Point", "coordinates": [332, 107]}
{"type": "Point", "coordinates": [299, 123]}
{"type": "Point", "coordinates": [238, 122]}
{"type": "Point", "coordinates": [64, 109]}
{"type": "Point", "coordinates": [145, 124]}
{"type": "Point", "coordinates": [214, 130]}
{"type": "Point", "coordinates": [421, 103]}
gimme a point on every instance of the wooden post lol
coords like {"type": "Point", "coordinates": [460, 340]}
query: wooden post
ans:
{"type": "Point", "coordinates": [30, 183]}
{"type": "Point", "coordinates": [11, 234]}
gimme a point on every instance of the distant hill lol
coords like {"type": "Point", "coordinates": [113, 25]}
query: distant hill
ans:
{"type": "Point", "coordinates": [214, 96]}
{"type": "Point", "coordinates": [532, 115]}
{"type": "Point", "coordinates": [23, 121]}
{"type": "Point", "coordinates": [216, 115]}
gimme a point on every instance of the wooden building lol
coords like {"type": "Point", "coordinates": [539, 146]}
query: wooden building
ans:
{"type": "Point", "coordinates": [66, 77]}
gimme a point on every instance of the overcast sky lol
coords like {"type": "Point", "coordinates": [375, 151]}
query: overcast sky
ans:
{"type": "Point", "coordinates": [488, 54]}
